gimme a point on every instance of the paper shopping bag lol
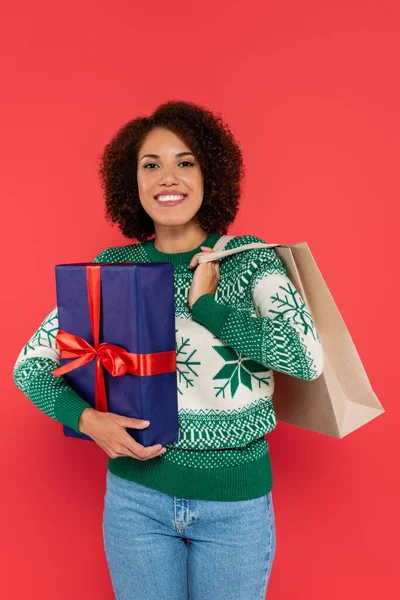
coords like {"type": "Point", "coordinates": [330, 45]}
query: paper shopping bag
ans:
{"type": "Point", "coordinates": [341, 399]}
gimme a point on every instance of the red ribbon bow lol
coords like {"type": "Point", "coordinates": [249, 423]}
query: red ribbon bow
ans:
{"type": "Point", "coordinates": [115, 359]}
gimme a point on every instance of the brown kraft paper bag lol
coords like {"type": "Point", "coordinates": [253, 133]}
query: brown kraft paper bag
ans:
{"type": "Point", "coordinates": [341, 399]}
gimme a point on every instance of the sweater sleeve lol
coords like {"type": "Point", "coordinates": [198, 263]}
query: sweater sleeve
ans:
{"type": "Point", "coordinates": [283, 335]}
{"type": "Point", "coordinates": [32, 372]}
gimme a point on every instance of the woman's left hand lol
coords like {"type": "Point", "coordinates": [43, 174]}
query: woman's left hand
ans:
{"type": "Point", "coordinates": [206, 277]}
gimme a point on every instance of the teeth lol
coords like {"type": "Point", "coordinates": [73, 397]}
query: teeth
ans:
{"type": "Point", "coordinates": [169, 198]}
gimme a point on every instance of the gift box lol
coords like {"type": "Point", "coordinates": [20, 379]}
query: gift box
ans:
{"type": "Point", "coordinates": [117, 342]}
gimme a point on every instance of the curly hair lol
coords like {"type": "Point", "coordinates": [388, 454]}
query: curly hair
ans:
{"type": "Point", "coordinates": [212, 143]}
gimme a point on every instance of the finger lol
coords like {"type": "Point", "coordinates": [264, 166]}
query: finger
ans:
{"type": "Point", "coordinates": [142, 455]}
{"type": "Point", "coordinates": [136, 448]}
{"type": "Point", "coordinates": [130, 422]}
{"type": "Point", "coordinates": [194, 258]}
{"type": "Point", "coordinates": [193, 262]}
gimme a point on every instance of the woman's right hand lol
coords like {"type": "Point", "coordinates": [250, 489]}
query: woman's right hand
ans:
{"type": "Point", "coordinates": [108, 430]}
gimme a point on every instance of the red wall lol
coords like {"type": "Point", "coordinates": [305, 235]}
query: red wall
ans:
{"type": "Point", "coordinates": [312, 93]}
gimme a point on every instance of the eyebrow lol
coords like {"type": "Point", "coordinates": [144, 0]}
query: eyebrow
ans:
{"type": "Point", "coordinates": [157, 156]}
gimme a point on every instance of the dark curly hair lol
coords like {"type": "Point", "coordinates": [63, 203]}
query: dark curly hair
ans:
{"type": "Point", "coordinates": [212, 143]}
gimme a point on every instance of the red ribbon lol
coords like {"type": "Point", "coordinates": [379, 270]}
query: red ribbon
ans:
{"type": "Point", "coordinates": [115, 359]}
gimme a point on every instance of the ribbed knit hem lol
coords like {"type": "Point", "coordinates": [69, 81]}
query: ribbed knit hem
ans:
{"type": "Point", "coordinates": [243, 482]}
{"type": "Point", "coordinates": [69, 407]}
{"type": "Point", "coordinates": [208, 312]}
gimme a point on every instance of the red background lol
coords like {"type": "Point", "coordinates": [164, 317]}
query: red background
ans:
{"type": "Point", "coordinates": [311, 91]}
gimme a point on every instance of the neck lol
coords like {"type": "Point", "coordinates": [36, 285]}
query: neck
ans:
{"type": "Point", "coordinates": [178, 239]}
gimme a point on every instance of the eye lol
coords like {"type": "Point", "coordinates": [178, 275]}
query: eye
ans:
{"type": "Point", "coordinates": [187, 162]}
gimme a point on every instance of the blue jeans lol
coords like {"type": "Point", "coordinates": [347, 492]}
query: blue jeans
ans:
{"type": "Point", "coordinates": [161, 547]}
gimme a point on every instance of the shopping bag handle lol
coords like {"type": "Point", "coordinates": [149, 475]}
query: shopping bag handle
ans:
{"type": "Point", "coordinates": [221, 253]}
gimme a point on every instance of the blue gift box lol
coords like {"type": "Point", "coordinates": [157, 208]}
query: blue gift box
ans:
{"type": "Point", "coordinates": [136, 313]}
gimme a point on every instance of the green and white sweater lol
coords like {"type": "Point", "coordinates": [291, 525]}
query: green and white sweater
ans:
{"type": "Point", "coordinates": [227, 347]}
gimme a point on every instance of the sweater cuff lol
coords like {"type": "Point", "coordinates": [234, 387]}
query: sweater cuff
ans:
{"type": "Point", "coordinates": [208, 312]}
{"type": "Point", "coordinates": [69, 407]}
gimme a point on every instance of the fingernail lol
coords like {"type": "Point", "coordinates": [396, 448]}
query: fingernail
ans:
{"type": "Point", "coordinates": [146, 422]}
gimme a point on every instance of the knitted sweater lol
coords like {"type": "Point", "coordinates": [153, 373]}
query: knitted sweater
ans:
{"type": "Point", "coordinates": [227, 347]}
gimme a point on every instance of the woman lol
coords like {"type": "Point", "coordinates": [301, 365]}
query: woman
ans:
{"type": "Point", "coordinates": [194, 519]}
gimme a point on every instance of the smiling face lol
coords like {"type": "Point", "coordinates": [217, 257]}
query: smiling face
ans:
{"type": "Point", "coordinates": [171, 171]}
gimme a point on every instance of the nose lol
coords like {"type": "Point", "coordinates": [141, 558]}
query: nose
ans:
{"type": "Point", "coordinates": [168, 176]}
